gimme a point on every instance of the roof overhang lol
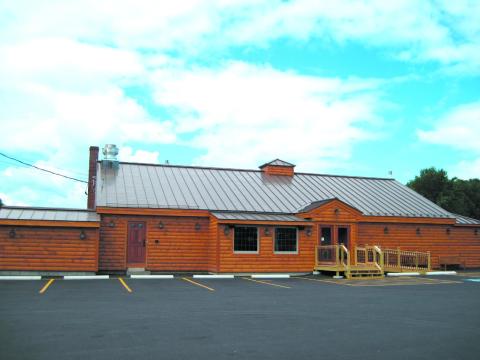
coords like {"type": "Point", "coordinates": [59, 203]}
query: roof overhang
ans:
{"type": "Point", "coordinates": [152, 211]}
{"type": "Point", "coordinates": [260, 218]}
{"type": "Point", "coordinates": [316, 205]}
{"type": "Point", "coordinates": [51, 223]}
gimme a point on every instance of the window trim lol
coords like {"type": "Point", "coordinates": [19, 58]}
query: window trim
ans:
{"type": "Point", "coordinates": [246, 252]}
{"type": "Point", "coordinates": [296, 238]}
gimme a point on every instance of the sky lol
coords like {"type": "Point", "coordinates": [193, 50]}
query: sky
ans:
{"type": "Point", "coordinates": [338, 87]}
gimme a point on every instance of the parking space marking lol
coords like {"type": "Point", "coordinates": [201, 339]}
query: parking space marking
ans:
{"type": "Point", "coordinates": [124, 284]}
{"type": "Point", "coordinates": [45, 287]}
{"type": "Point", "coordinates": [318, 280]}
{"type": "Point", "coordinates": [385, 282]}
{"type": "Point", "coordinates": [469, 274]}
{"type": "Point", "coordinates": [439, 281]}
{"type": "Point", "coordinates": [267, 283]}
{"type": "Point", "coordinates": [198, 284]}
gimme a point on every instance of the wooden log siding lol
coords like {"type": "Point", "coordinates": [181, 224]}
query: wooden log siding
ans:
{"type": "Point", "coordinates": [461, 241]}
{"type": "Point", "coordinates": [48, 249]}
{"type": "Point", "coordinates": [178, 246]}
{"type": "Point", "coordinates": [278, 170]}
{"type": "Point", "coordinates": [267, 260]}
{"type": "Point", "coordinates": [213, 258]}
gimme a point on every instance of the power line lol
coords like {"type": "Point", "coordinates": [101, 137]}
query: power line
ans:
{"type": "Point", "coordinates": [41, 169]}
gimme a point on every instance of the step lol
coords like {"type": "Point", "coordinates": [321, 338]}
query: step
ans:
{"type": "Point", "coordinates": [137, 271]}
{"type": "Point", "coordinates": [370, 276]}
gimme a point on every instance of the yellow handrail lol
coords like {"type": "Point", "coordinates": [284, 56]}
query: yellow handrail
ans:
{"type": "Point", "coordinates": [398, 260]}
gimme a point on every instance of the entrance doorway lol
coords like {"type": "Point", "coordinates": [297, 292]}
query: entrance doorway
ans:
{"type": "Point", "coordinates": [136, 244]}
{"type": "Point", "coordinates": [343, 236]}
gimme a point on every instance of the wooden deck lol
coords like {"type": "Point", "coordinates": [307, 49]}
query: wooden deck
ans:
{"type": "Point", "coordinates": [369, 261]}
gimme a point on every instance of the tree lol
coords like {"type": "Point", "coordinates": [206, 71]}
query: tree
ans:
{"type": "Point", "coordinates": [455, 195]}
{"type": "Point", "coordinates": [431, 183]}
{"type": "Point", "coordinates": [1, 203]}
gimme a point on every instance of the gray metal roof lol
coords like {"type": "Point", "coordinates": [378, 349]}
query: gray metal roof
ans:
{"type": "Point", "coordinates": [465, 220]}
{"type": "Point", "coordinates": [277, 162]}
{"type": "Point", "coordinates": [47, 214]}
{"type": "Point", "coordinates": [256, 216]}
{"type": "Point", "coordinates": [218, 189]}
{"type": "Point", "coordinates": [315, 204]}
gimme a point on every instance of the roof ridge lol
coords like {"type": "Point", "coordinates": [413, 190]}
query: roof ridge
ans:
{"type": "Point", "coordinates": [44, 208]}
{"type": "Point", "coordinates": [251, 170]}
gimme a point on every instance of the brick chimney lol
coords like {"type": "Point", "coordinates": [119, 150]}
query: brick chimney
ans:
{"type": "Point", "coordinates": [278, 167]}
{"type": "Point", "coordinates": [92, 176]}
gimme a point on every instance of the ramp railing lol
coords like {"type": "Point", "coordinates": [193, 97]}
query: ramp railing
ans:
{"type": "Point", "coordinates": [332, 257]}
{"type": "Point", "coordinates": [397, 260]}
{"type": "Point", "coordinates": [369, 256]}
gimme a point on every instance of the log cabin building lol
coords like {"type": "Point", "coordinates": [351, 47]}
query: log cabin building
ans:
{"type": "Point", "coordinates": [169, 218]}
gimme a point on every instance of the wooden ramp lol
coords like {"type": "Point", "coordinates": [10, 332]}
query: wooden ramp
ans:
{"type": "Point", "coordinates": [368, 261]}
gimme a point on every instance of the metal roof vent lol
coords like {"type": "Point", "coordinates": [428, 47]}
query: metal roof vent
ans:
{"type": "Point", "coordinates": [110, 152]}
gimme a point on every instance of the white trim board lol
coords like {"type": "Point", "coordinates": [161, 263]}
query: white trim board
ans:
{"type": "Point", "coordinates": [270, 276]}
{"type": "Point", "coordinates": [404, 274]}
{"type": "Point", "coordinates": [441, 273]}
{"type": "Point", "coordinates": [21, 277]}
{"type": "Point", "coordinates": [86, 277]}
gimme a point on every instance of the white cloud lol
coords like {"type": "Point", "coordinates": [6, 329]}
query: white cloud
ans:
{"type": "Point", "coordinates": [8, 201]}
{"type": "Point", "coordinates": [467, 169]}
{"type": "Point", "coordinates": [142, 156]}
{"type": "Point", "coordinates": [28, 186]}
{"type": "Point", "coordinates": [242, 113]}
{"type": "Point", "coordinates": [460, 128]}
{"type": "Point", "coordinates": [447, 32]}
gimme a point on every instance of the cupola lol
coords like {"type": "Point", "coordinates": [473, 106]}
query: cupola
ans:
{"type": "Point", "coordinates": [278, 167]}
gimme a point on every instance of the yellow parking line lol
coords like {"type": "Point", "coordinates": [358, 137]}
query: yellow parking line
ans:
{"type": "Point", "coordinates": [198, 284]}
{"type": "Point", "coordinates": [124, 284]}
{"type": "Point", "coordinates": [46, 286]}
{"type": "Point", "coordinates": [267, 283]}
{"type": "Point", "coordinates": [325, 281]}
{"type": "Point", "coordinates": [440, 281]}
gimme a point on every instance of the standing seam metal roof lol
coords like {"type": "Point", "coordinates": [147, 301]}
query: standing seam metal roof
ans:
{"type": "Point", "coordinates": [256, 216]}
{"type": "Point", "coordinates": [47, 214]}
{"type": "Point", "coordinates": [219, 189]}
{"type": "Point", "coordinates": [465, 220]}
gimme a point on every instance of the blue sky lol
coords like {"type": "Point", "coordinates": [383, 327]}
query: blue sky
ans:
{"type": "Point", "coordinates": [358, 88]}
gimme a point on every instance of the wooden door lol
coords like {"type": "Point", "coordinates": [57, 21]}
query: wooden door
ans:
{"type": "Point", "coordinates": [343, 236]}
{"type": "Point", "coordinates": [327, 252]}
{"type": "Point", "coordinates": [136, 243]}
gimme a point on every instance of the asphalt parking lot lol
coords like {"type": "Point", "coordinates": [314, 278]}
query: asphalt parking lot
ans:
{"type": "Point", "coordinates": [241, 318]}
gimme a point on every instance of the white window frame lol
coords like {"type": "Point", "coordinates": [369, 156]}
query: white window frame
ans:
{"type": "Point", "coordinates": [275, 241]}
{"type": "Point", "coordinates": [246, 252]}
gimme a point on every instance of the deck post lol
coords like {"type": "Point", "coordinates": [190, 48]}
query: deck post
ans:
{"type": "Point", "coordinates": [428, 261]}
{"type": "Point", "coordinates": [399, 264]}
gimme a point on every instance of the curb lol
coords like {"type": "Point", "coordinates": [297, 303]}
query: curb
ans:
{"type": "Point", "coordinates": [270, 276]}
{"type": "Point", "coordinates": [21, 277]}
{"type": "Point", "coordinates": [441, 273]}
{"type": "Point", "coordinates": [151, 276]}
{"type": "Point", "coordinates": [213, 276]}
{"type": "Point", "coordinates": [404, 274]}
{"type": "Point", "coordinates": [86, 277]}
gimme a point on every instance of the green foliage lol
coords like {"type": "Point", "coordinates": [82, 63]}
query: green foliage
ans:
{"type": "Point", "coordinates": [1, 203]}
{"type": "Point", "coordinates": [455, 195]}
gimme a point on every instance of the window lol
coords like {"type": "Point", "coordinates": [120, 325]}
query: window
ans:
{"type": "Point", "coordinates": [286, 240]}
{"type": "Point", "coordinates": [245, 239]}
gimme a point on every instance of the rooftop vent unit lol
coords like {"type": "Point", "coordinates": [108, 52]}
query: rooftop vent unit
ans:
{"type": "Point", "coordinates": [110, 152]}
